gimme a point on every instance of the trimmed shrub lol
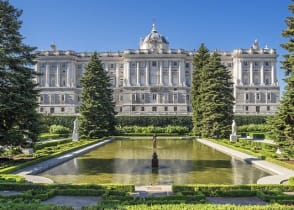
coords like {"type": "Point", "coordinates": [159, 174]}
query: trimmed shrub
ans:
{"type": "Point", "coordinates": [291, 180]}
{"type": "Point", "coordinates": [257, 135]}
{"type": "Point", "coordinates": [59, 129]}
{"type": "Point", "coordinates": [250, 119]}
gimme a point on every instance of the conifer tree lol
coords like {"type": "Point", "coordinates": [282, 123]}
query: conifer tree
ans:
{"type": "Point", "coordinates": [282, 124]}
{"type": "Point", "coordinates": [97, 108]}
{"type": "Point", "coordinates": [200, 59]}
{"type": "Point", "coordinates": [19, 120]}
{"type": "Point", "coordinates": [216, 91]}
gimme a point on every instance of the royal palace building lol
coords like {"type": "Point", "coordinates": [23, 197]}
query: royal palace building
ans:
{"type": "Point", "coordinates": [156, 80]}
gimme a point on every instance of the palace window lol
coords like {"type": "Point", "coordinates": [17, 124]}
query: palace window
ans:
{"type": "Point", "coordinates": [133, 108]}
{"type": "Point", "coordinates": [246, 96]}
{"type": "Point", "coordinates": [188, 109]}
{"type": "Point", "coordinates": [175, 63]}
{"type": "Point", "coordinates": [257, 96]}
{"type": "Point", "coordinates": [153, 63]}
{"type": "Point", "coordinates": [62, 109]}
{"type": "Point", "coordinates": [268, 108]}
{"type": "Point", "coordinates": [154, 109]}
{"type": "Point", "coordinates": [257, 109]}
{"type": "Point", "coordinates": [52, 110]}
{"type": "Point", "coordinates": [41, 109]}
{"type": "Point", "coordinates": [187, 65]}
{"type": "Point", "coordinates": [269, 96]}
{"type": "Point", "coordinates": [187, 98]}
{"type": "Point", "coordinates": [142, 108]}
{"type": "Point", "coordinates": [175, 108]}
{"type": "Point", "coordinates": [266, 81]}
{"type": "Point", "coordinates": [246, 108]}
{"type": "Point", "coordinates": [165, 108]}
{"type": "Point", "coordinates": [154, 96]}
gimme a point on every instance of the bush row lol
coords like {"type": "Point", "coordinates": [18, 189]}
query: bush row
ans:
{"type": "Point", "coordinates": [180, 130]}
{"type": "Point", "coordinates": [67, 121]}
{"type": "Point", "coordinates": [215, 190]}
{"type": "Point", "coordinates": [263, 128]}
{"type": "Point", "coordinates": [187, 207]}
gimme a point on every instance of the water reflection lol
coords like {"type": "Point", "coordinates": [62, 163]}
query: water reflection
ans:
{"type": "Point", "coordinates": [180, 162]}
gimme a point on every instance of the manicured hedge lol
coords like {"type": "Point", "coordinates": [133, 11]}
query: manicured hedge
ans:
{"type": "Point", "coordinates": [251, 119]}
{"type": "Point", "coordinates": [182, 120]}
{"type": "Point", "coordinates": [291, 180]}
{"type": "Point", "coordinates": [154, 121]}
{"type": "Point", "coordinates": [183, 206]}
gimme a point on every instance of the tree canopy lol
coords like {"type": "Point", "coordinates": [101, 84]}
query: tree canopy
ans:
{"type": "Point", "coordinates": [97, 108]}
{"type": "Point", "coordinates": [19, 120]}
{"type": "Point", "coordinates": [283, 123]}
{"type": "Point", "coordinates": [212, 95]}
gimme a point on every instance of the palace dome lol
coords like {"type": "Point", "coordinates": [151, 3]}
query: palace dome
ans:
{"type": "Point", "coordinates": [154, 40]}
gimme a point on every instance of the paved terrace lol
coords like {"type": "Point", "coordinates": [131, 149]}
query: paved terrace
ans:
{"type": "Point", "coordinates": [281, 173]}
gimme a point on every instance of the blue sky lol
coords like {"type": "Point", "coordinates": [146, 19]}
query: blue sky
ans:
{"type": "Point", "coordinates": [112, 25]}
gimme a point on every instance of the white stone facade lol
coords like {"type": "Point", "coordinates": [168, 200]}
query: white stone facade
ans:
{"type": "Point", "coordinates": [156, 80]}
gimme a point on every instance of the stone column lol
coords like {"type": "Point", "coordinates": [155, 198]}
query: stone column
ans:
{"type": "Point", "coordinates": [251, 73]}
{"type": "Point", "coordinates": [160, 73]}
{"type": "Point", "coordinates": [261, 74]}
{"type": "Point", "coordinates": [58, 75]}
{"type": "Point", "coordinates": [181, 70]}
{"type": "Point", "coordinates": [127, 74]}
{"type": "Point", "coordinates": [147, 73]}
{"type": "Point", "coordinates": [47, 75]}
{"type": "Point", "coordinates": [117, 74]}
{"type": "Point", "coordinates": [170, 83]}
{"type": "Point", "coordinates": [273, 73]}
{"type": "Point", "coordinates": [240, 72]}
{"type": "Point", "coordinates": [74, 75]}
{"type": "Point", "coordinates": [36, 71]}
{"type": "Point", "coordinates": [68, 75]}
{"type": "Point", "coordinates": [138, 73]}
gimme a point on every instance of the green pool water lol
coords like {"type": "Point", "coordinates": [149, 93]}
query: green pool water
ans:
{"type": "Point", "coordinates": [180, 162]}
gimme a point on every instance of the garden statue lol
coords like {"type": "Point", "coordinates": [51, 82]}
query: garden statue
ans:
{"type": "Point", "coordinates": [234, 128]}
{"type": "Point", "coordinates": [233, 136]}
{"type": "Point", "coordinates": [75, 134]}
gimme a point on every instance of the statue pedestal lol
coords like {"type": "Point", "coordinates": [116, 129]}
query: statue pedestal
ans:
{"type": "Point", "coordinates": [233, 138]}
{"type": "Point", "coordinates": [154, 162]}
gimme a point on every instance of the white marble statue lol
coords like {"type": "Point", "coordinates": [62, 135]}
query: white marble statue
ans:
{"type": "Point", "coordinates": [75, 134]}
{"type": "Point", "coordinates": [234, 128]}
{"type": "Point", "coordinates": [233, 136]}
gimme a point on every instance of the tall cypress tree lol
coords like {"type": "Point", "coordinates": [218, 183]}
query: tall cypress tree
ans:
{"type": "Point", "coordinates": [18, 98]}
{"type": "Point", "coordinates": [97, 108]}
{"type": "Point", "coordinates": [216, 91]}
{"type": "Point", "coordinates": [200, 59]}
{"type": "Point", "coordinates": [282, 125]}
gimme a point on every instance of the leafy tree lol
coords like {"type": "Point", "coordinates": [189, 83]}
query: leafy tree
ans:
{"type": "Point", "coordinates": [216, 91]}
{"type": "Point", "coordinates": [199, 61]}
{"type": "Point", "coordinates": [283, 123]}
{"type": "Point", "coordinates": [18, 97]}
{"type": "Point", "coordinates": [97, 108]}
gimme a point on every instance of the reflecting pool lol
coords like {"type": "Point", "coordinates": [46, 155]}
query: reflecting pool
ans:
{"type": "Point", "coordinates": [179, 162]}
